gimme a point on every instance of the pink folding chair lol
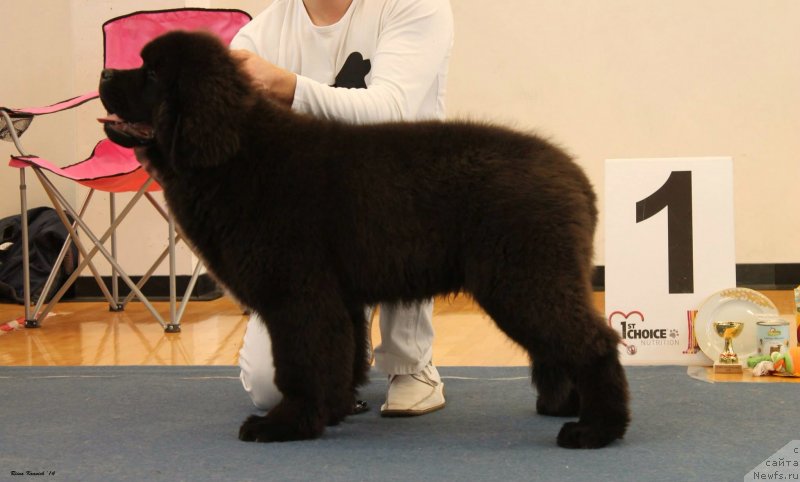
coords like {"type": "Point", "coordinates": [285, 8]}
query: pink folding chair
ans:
{"type": "Point", "coordinates": [110, 168]}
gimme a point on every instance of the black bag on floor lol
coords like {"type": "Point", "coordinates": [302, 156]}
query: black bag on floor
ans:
{"type": "Point", "coordinates": [46, 236]}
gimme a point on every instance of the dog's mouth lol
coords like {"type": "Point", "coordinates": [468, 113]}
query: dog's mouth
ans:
{"type": "Point", "coordinates": [127, 134]}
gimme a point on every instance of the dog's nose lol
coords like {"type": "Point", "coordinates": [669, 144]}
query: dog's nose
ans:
{"type": "Point", "coordinates": [106, 75]}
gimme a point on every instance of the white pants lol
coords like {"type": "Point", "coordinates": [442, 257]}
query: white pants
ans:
{"type": "Point", "coordinates": [406, 347]}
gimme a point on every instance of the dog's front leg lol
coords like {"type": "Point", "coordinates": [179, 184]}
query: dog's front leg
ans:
{"type": "Point", "coordinates": [313, 349]}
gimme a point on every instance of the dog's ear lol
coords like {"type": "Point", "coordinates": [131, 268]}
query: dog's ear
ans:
{"type": "Point", "coordinates": [200, 120]}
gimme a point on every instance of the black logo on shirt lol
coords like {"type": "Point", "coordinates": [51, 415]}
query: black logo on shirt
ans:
{"type": "Point", "coordinates": [354, 72]}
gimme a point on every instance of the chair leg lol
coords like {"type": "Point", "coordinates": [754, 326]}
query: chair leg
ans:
{"type": "Point", "coordinates": [189, 289]}
{"type": "Point", "coordinates": [174, 325]}
{"type": "Point", "coordinates": [59, 261]}
{"type": "Point", "coordinates": [147, 275]}
{"type": "Point", "coordinates": [51, 279]}
{"type": "Point", "coordinates": [115, 306]}
{"type": "Point", "coordinates": [30, 322]}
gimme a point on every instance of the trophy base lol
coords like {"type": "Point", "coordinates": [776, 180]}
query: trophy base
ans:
{"type": "Point", "coordinates": [733, 368]}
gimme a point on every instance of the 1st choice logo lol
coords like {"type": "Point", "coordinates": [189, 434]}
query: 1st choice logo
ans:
{"type": "Point", "coordinates": [633, 333]}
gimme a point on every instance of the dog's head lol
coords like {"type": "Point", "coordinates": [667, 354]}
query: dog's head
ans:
{"type": "Point", "coordinates": [186, 100]}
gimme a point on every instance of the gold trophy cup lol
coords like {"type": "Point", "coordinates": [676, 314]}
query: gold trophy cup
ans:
{"type": "Point", "coordinates": [728, 360]}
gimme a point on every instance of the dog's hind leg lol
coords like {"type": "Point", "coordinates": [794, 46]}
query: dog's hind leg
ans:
{"type": "Point", "coordinates": [603, 393]}
{"type": "Point", "coordinates": [575, 360]}
{"type": "Point", "coordinates": [312, 341]}
{"type": "Point", "coordinates": [557, 394]}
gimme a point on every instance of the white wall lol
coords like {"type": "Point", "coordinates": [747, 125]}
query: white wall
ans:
{"type": "Point", "coordinates": [603, 78]}
{"type": "Point", "coordinates": [35, 71]}
{"type": "Point", "coordinates": [650, 78]}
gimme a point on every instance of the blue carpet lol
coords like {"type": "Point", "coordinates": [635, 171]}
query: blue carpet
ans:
{"type": "Point", "coordinates": [181, 423]}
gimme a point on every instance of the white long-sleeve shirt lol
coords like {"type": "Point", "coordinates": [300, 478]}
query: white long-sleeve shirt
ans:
{"type": "Point", "coordinates": [398, 49]}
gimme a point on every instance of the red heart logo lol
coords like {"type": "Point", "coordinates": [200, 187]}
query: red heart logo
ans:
{"type": "Point", "coordinates": [623, 316]}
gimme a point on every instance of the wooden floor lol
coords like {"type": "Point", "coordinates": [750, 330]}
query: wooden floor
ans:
{"type": "Point", "coordinates": [211, 334]}
{"type": "Point", "coordinates": [88, 334]}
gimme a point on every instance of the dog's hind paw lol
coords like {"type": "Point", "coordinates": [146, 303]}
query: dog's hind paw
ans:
{"type": "Point", "coordinates": [577, 435]}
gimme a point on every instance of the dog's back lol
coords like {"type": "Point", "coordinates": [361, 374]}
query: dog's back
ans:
{"type": "Point", "coordinates": [430, 200]}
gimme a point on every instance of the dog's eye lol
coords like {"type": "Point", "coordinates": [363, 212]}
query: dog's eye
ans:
{"type": "Point", "coordinates": [152, 75]}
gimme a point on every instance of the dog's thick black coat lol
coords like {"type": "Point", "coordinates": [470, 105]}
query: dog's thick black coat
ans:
{"type": "Point", "coordinates": [307, 221]}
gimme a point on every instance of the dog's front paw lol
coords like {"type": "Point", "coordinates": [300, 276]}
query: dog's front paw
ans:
{"type": "Point", "coordinates": [283, 423]}
{"type": "Point", "coordinates": [255, 429]}
{"type": "Point", "coordinates": [262, 429]}
{"type": "Point", "coordinates": [577, 435]}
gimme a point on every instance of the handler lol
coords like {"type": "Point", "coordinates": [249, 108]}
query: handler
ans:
{"type": "Point", "coordinates": [360, 61]}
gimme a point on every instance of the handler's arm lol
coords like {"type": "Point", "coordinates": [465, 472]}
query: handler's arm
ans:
{"type": "Point", "coordinates": [414, 43]}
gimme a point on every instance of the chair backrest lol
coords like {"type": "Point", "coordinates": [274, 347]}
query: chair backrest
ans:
{"type": "Point", "coordinates": [125, 36]}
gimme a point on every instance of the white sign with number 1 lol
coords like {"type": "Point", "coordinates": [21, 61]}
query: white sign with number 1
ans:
{"type": "Point", "coordinates": [669, 246]}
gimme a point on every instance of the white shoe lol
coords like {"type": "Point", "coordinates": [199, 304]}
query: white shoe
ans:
{"type": "Point", "coordinates": [415, 394]}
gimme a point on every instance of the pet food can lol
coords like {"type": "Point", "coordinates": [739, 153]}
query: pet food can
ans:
{"type": "Point", "coordinates": [773, 335]}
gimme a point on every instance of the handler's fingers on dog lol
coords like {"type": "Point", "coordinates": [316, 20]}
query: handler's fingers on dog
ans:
{"type": "Point", "coordinates": [241, 55]}
{"type": "Point", "coordinates": [279, 84]}
{"type": "Point", "coordinates": [256, 67]}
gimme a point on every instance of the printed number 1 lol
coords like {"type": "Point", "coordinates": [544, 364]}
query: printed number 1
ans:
{"type": "Point", "coordinates": [676, 196]}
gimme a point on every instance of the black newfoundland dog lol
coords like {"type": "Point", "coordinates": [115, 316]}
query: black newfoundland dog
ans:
{"type": "Point", "coordinates": [306, 221]}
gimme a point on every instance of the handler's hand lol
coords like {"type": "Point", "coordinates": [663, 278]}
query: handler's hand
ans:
{"type": "Point", "coordinates": [277, 83]}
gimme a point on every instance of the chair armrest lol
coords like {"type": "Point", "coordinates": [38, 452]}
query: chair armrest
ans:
{"type": "Point", "coordinates": [20, 119]}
